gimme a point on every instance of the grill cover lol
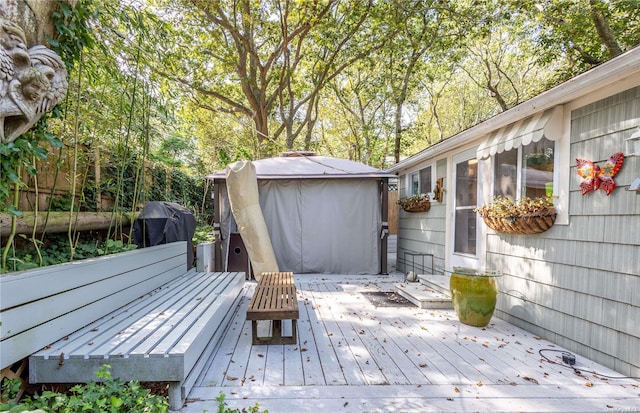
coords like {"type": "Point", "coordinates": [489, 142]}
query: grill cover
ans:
{"type": "Point", "coordinates": [163, 222]}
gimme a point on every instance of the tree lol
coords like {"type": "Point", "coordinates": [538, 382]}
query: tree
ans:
{"type": "Point", "coordinates": [582, 33]}
{"type": "Point", "coordinates": [425, 31]}
{"type": "Point", "coordinates": [267, 60]}
{"type": "Point", "coordinates": [356, 115]}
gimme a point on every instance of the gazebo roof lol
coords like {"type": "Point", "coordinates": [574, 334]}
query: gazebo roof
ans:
{"type": "Point", "coordinates": [305, 165]}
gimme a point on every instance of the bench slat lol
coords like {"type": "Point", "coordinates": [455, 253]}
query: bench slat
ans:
{"type": "Point", "coordinates": [113, 335]}
{"type": "Point", "coordinates": [276, 278]}
{"type": "Point", "coordinates": [273, 303]}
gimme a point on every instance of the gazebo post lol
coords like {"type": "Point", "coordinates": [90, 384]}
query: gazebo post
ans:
{"type": "Point", "coordinates": [217, 246]}
{"type": "Point", "coordinates": [384, 234]}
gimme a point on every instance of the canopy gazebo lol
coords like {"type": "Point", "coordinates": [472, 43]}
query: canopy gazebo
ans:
{"type": "Point", "coordinates": [323, 214]}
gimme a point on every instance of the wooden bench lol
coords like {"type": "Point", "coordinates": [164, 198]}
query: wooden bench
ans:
{"type": "Point", "coordinates": [274, 300]}
{"type": "Point", "coordinates": [140, 311]}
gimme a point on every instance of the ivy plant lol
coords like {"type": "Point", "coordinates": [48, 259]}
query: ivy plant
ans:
{"type": "Point", "coordinates": [111, 395]}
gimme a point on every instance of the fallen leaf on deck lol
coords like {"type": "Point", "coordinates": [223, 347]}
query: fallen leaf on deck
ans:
{"type": "Point", "coordinates": [588, 384]}
{"type": "Point", "coordinates": [231, 378]}
{"type": "Point", "coordinates": [423, 365]}
{"type": "Point", "coordinates": [260, 355]}
{"type": "Point", "coordinates": [531, 379]}
{"type": "Point", "coordinates": [479, 384]}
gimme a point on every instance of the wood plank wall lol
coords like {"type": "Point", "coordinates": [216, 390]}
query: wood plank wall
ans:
{"type": "Point", "coordinates": [423, 231]}
{"type": "Point", "coordinates": [578, 285]}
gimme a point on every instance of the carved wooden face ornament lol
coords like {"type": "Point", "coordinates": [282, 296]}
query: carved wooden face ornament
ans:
{"type": "Point", "coordinates": [595, 176]}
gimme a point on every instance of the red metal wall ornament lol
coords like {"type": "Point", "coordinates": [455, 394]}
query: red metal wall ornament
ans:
{"type": "Point", "coordinates": [595, 176]}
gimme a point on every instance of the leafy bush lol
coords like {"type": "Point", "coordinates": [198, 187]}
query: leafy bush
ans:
{"type": "Point", "coordinates": [57, 251]}
{"type": "Point", "coordinates": [222, 407]}
{"type": "Point", "coordinates": [10, 388]}
{"type": "Point", "coordinates": [203, 234]}
{"type": "Point", "coordinates": [112, 395]}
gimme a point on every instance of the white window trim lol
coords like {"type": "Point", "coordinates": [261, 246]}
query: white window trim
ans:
{"type": "Point", "coordinates": [556, 146]}
{"type": "Point", "coordinates": [416, 172]}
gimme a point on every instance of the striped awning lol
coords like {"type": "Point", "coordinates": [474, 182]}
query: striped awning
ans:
{"type": "Point", "coordinates": [546, 124]}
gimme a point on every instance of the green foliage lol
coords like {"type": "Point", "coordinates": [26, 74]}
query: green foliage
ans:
{"type": "Point", "coordinates": [73, 33]}
{"type": "Point", "coordinates": [203, 234]}
{"type": "Point", "coordinates": [57, 251]}
{"type": "Point", "coordinates": [18, 155]}
{"type": "Point", "coordinates": [222, 407]}
{"type": "Point", "coordinates": [10, 388]}
{"type": "Point", "coordinates": [112, 395]}
{"type": "Point", "coordinates": [503, 207]}
{"type": "Point", "coordinates": [579, 34]}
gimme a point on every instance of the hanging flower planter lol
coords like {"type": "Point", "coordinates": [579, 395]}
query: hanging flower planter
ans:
{"type": "Point", "coordinates": [525, 216]}
{"type": "Point", "coordinates": [415, 203]}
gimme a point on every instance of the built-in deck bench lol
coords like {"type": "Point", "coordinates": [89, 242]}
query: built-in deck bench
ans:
{"type": "Point", "coordinates": [274, 300]}
{"type": "Point", "coordinates": [141, 312]}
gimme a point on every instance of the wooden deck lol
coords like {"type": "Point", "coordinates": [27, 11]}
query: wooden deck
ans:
{"type": "Point", "coordinates": [354, 357]}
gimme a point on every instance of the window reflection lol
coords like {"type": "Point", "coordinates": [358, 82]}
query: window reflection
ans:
{"type": "Point", "coordinates": [466, 200]}
{"type": "Point", "coordinates": [505, 176]}
{"type": "Point", "coordinates": [537, 168]}
{"type": "Point", "coordinates": [536, 176]}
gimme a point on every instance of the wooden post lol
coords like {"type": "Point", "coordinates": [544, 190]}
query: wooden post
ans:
{"type": "Point", "coordinates": [217, 231]}
{"type": "Point", "coordinates": [384, 235]}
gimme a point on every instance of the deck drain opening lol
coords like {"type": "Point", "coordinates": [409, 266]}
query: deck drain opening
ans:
{"type": "Point", "coordinates": [387, 299]}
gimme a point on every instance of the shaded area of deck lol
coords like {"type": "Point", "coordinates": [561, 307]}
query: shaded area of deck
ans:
{"type": "Point", "coordinates": [354, 357]}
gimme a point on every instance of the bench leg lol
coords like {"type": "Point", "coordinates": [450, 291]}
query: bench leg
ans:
{"type": "Point", "coordinates": [176, 400]}
{"type": "Point", "coordinates": [276, 333]}
{"type": "Point", "coordinates": [294, 331]}
{"type": "Point", "coordinates": [276, 329]}
{"type": "Point", "coordinates": [254, 332]}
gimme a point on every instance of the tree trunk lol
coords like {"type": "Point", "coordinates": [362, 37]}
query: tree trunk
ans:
{"type": "Point", "coordinates": [398, 131]}
{"type": "Point", "coordinates": [34, 17]}
{"type": "Point", "coordinates": [604, 31]}
{"type": "Point", "coordinates": [58, 221]}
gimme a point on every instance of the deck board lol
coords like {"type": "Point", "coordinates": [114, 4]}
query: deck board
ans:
{"type": "Point", "coordinates": [353, 357]}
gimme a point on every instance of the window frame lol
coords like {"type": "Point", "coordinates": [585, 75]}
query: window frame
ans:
{"type": "Point", "coordinates": [416, 174]}
{"type": "Point", "coordinates": [519, 170]}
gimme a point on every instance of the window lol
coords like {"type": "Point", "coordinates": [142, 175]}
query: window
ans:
{"type": "Point", "coordinates": [529, 168]}
{"type": "Point", "coordinates": [466, 201]}
{"type": "Point", "coordinates": [421, 181]}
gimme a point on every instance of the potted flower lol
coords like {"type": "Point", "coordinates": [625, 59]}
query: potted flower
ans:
{"type": "Point", "coordinates": [415, 203]}
{"type": "Point", "coordinates": [524, 216]}
{"type": "Point", "coordinates": [474, 295]}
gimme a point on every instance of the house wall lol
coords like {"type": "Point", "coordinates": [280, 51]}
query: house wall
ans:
{"type": "Point", "coordinates": [578, 285]}
{"type": "Point", "coordinates": [423, 232]}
